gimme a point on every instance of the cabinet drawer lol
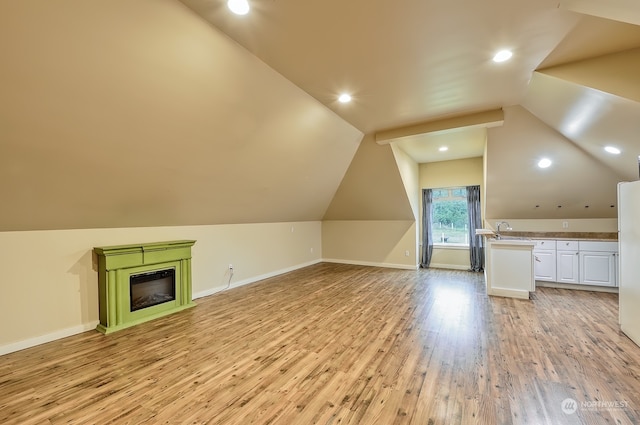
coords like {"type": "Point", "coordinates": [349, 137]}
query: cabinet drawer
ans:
{"type": "Point", "coordinates": [567, 245]}
{"type": "Point", "coordinates": [598, 246]}
{"type": "Point", "coordinates": [544, 244]}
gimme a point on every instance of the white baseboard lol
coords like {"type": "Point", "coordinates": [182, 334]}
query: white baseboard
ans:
{"type": "Point", "coordinates": [448, 266]}
{"type": "Point", "coordinates": [43, 339]}
{"type": "Point", "coordinates": [510, 293]}
{"type": "Point", "coordinates": [371, 264]}
{"type": "Point", "coordinates": [631, 333]}
{"type": "Point", "coordinates": [253, 279]}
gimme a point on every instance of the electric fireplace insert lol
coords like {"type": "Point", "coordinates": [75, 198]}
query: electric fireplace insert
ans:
{"type": "Point", "coordinates": [153, 288]}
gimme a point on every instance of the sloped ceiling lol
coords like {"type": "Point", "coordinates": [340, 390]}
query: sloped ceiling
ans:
{"type": "Point", "coordinates": [593, 119]}
{"type": "Point", "coordinates": [119, 114]}
{"type": "Point", "coordinates": [577, 185]}
{"type": "Point", "coordinates": [429, 61]}
{"type": "Point", "coordinates": [403, 62]}
{"type": "Point", "coordinates": [619, 10]}
{"type": "Point", "coordinates": [592, 37]}
{"type": "Point", "coordinates": [574, 110]}
{"type": "Point", "coordinates": [372, 189]}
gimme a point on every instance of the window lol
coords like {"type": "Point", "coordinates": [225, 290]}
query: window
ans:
{"type": "Point", "coordinates": [450, 216]}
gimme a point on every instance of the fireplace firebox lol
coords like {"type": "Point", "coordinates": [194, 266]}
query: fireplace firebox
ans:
{"type": "Point", "coordinates": [138, 283]}
{"type": "Point", "coordinates": [153, 288]}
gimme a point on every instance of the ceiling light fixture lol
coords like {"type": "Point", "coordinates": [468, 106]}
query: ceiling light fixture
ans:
{"type": "Point", "coordinates": [612, 149]}
{"type": "Point", "coordinates": [344, 98]}
{"type": "Point", "coordinates": [239, 7]}
{"type": "Point", "coordinates": [544, 163]}
{"type": "Point", "coordinates": [502, 55]}
{"type": "Point", "coordinates": [443, 149]}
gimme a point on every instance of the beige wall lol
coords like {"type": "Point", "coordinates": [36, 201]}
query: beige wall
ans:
{"type": "Point", "coordinates": [517, 188]}
{"type": "Point", "coordinates": [555, 225]}
{"type": "Point", "coordinates": [118, 113]}
{"type": "Point", "coordinates": [410, 174]}
{"type": "Point", "coordinates": [461, 172]}
{"type": "Point", "coordinates": [372, 188]}
{"type": "Point", "coordinates": [371, 220]}
{"type": "Point", "coordinates": [374, 242]}
{"type": "Point", "coordinates": [450, 258]}
{"type": "Point", "coordinates": [49, 283]}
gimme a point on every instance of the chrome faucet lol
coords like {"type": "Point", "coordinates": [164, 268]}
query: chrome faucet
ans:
{"type": "Point", "coordinates": [498, 230]}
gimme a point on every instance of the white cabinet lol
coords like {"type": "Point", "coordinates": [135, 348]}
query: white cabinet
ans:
{"type": "Point", "coordinates": [567, 262]}
{"type": "Point", "coordinates": [576, 262]}
{"type": "Point", "coordinates": [598, 263]}
{"type": "Point", "coordinates": [545, 265]}
{"type": "Point", "coordinates": [544, 260]}
{"type": "Point", "coordinates": [509, 268]}
{"type": "Point", "coordinates": [598, 268]}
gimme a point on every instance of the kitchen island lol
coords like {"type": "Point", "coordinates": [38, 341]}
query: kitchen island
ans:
{"type": "Point", "coordinates": [509, 268]}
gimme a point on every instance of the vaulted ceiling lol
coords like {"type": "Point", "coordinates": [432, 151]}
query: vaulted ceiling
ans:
{"type": "Point", "coordinates": [402, 62]}
{"type": "Point", "coordinates": [148, 113]}
{"type": "Point", "coordinates": [422, 63]}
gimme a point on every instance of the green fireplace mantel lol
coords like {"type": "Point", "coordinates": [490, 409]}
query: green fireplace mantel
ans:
{"type": "Point", "coordinates": [116, 264]}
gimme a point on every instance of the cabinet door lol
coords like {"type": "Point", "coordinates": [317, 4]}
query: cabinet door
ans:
{"type": "Point", "coordinates": [567, 267]}
{"type": "Point", "coordinates": [597, 268]}
{"type": "Point", "coordinates": [544, 265]}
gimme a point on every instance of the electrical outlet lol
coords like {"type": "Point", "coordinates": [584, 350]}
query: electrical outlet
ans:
{"type": "Point", "coordinates": [311, 250]}
{"type": "Point", "coordinates": [406, 253]}
{"type": "Point", "coordinates": [230, 266]}
{"type": "Point", "coordinates": [565, 224]}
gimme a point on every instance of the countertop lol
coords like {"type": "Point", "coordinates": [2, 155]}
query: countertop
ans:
{"type": "Point", "coordinates": [523, 242]}
{"type": "Point", "coordinates": [565, 236]}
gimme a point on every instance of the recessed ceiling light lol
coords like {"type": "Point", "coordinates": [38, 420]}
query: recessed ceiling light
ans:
{"type": "Point", "coordinates": [344, 98]}
{"type": "Point", "coordinates": [502, 55]}
{"type": "Point", "coordinates": [239, 7]}
{"type": "Point", "coordinates": [544, 163]}
{"type": "Point", "coordinates": [612, 149]}
{"type": "Point", "coordinates": [443, 149]}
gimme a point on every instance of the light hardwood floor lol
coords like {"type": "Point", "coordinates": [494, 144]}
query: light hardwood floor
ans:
{"type": "Point", "coordinates": [339, 344]}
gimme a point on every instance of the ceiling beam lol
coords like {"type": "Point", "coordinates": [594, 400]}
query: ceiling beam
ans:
{"type": "Point", "coordinates": [491, 118]}
{"type": "Point", "coordinates": [617, 10]}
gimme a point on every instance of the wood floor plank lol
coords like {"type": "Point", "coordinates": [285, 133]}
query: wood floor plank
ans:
{"type": "Point", "coordinates": [340, 344]}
